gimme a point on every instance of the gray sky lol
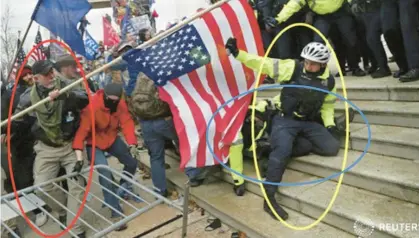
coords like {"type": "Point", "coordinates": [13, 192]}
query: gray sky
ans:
{"type": "Point", "coordinates": [22, 10]}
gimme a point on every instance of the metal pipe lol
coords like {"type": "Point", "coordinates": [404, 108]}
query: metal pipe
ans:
{"type": "Point", "coordinates": [85, 205]}
{"type": "Point", "coordinates": [9, 229]}
{"type": "Point", "coordinates": [50, 215]}
{"type": "Point", "coordinates": [65, 208]}
{"type": "Point", "coordinates": [127, 219]}
{"type": "Point", "coordinates": [103, 202]}
{"type": "Point", "coordinates": [185, 209]}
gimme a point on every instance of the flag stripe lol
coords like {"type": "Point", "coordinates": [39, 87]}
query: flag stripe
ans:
{"type": "Point", "coordinates": [254, 26]}
{"type": "Point", "coordinates": [192, 87]}
{"type": "Point", "coordinates": [204, 93]}
{"type": "Point", "coordinates": [169, 93]}
{"type": "Point", "coordinates": [227, 69]}
{"type": "Point", "coordinates": [216, 67]}
{"type": "Point", "coordinates": [196, 116]}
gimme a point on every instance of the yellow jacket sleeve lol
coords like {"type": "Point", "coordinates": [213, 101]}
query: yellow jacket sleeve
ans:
{"type": "Point", "coordinates": [328, 109]}
{"type": "Point", "coordinates": [278, 69]}
{"type": "Point", "coordinates": [289, 9]}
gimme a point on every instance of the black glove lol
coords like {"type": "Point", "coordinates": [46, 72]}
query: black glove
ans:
{"type": "Point", "coordinates": [271, 22]}
{"type": "Point", "coordinates": [231, 46]}
{"type": "Point", "coordinates": [334, 131]}
{"type": "Point", "coordinates": [77, 168]}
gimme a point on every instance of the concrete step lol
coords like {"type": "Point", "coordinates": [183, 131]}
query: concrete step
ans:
{"type": "Point", "coordinates": [244, 213]}
{"type": "Point", "coordinates": [366, 88]}
{"type": "Point", "coordinates": [400, 142]}
{"type": "Point", "coordinates": [404, 114]}
{"type": "Point", "coordinates": [389, 176]}
{"type": "Point", "coordinates": [353, 205]}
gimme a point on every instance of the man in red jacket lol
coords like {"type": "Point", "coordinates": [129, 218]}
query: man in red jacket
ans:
{"type": "Point", "coordinates": [111, 114]}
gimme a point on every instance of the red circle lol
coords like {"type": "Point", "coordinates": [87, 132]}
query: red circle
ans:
{"type": "Point", "coordinates": [92, 116]}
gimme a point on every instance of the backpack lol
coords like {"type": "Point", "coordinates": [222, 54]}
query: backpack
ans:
{"type": "Point", "coordinates": [145, 102]}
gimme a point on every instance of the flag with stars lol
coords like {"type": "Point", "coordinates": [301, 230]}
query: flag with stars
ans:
{"type": "Point", "coordinates": [39, 53]}
{"type": "Point", "coordinates": [195, 76]}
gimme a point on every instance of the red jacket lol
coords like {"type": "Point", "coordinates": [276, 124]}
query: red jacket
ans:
{"type": "Point", "coordinates": [106, 125]}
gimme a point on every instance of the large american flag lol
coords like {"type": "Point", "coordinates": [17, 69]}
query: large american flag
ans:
{"type": "Point", "coordinates": [195, 76]}
{"type": "Point", "coordinates": [39, 53]}
{"type": "Point", "coordinates": [19, 60]}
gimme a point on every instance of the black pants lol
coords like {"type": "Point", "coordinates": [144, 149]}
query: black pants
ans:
{"type": "Point", "coordinates": [372, 21]}
{"type": "Point", "coordinates": [392, 32]}
{"type": "Point", "coordinates": [283, 136]}
{"type": "Point", "coordinates": [345, 24]}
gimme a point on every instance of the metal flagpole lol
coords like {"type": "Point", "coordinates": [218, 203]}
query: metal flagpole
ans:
{"type": "Point", "coordinates": [23, 39]}
{"type": "Point", "coordinates": [117, 60]}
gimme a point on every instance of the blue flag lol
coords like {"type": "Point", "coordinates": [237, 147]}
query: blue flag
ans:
{"type": "Point", "coordinates": [92, 47]}
{"type": "Point", "coordinates": [61, 18]}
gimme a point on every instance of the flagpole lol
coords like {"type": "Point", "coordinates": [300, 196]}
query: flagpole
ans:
{"type": "Point", "coordinates": [117, 60]}
{"type": "Point", "coordinates": [19, 48]}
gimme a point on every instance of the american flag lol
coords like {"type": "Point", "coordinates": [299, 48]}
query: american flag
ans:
{"type": "Point", "coordinates": [195, 76]}
{"type": "Point", "coordinates": [19, 60]}
{"type": "Point", "coordinates": [39, 53]}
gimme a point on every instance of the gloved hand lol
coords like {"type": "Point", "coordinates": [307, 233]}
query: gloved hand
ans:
{"type": "Point", "coordinates": [334, 131]}
{"type": "Point", "coordinates": [231, 46]}
{"type": "Point", "coordinates": [133, 151]}
{"type": "Point", "coordinates": [271, 22]}
{"type": "Point", "coordinates": [77, 168]}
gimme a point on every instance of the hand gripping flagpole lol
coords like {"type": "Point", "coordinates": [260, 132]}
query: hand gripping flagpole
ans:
{"type": "Point", "coordinates": [117, 60]}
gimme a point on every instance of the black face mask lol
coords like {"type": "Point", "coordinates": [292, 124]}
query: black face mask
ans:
{"type": "Point", "coordinates": [112, 105]}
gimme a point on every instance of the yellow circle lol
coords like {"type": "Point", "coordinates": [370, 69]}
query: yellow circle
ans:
{"type": "Point", "coordinates": [301, 228]}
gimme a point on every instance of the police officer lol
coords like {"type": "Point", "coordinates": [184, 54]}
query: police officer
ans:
{"type": "Point", "coordinates": [328, 13]}
{"type": "Point", "coordinates": [369, 12]}
{"type": "Point", "coordinates": [299, 108]}
{"type": "Point", "coordinates": [242, 147]}
{"type": "Point", "coordinates": [400, 19]}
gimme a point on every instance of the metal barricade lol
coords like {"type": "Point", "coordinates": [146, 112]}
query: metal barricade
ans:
{"type": "Point", "coordinates": [31, 201]}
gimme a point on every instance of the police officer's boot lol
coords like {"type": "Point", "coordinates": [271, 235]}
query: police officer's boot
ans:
{"type": "Point", "coordinates": [340, 121]}
{"type": "Point", "coordinates": [270, 193]}
{"type": "Point", "coordinates": [239, 189]}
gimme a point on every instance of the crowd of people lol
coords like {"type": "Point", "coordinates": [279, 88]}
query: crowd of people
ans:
{"type": "Point", "coordinates": [296, 123]}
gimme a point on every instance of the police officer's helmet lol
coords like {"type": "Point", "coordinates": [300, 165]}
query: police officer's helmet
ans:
{"type": "Point", "coordinates": [316, 52]}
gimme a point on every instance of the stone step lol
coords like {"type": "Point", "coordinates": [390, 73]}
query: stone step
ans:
{"type": "Point", "coordinates": [366, 88]}
{"type": "Point", "coordinates": [400, 142]}
{"type": "Point", "coordinates": [353, 205]}
{"type": "Point", "coordinates": [389, 176]}
{"type": "Point", "coordinates": [404, 114]}
{"type": "Point", "coordinates": [244, 213]}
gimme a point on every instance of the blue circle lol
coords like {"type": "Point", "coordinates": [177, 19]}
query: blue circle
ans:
{"type": "Point", "coordinates": [283, 183]}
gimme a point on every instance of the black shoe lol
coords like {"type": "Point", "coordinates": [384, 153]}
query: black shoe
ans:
{"type": "Point", "coordinates": [338, 75]}
{"type": "Point", "coordinates": [358, 72]}
{"type": "Point", "coordinates": [196, 182]}
{"type": "Point", "coordinates": [371, 70]}
{"type": "Point", "coordinates": [399, 73]}
{"type": "Point", "coordinates": [381, 73]}
{"type": "Point", "coordinates": [239, 190]}
{"type": "Point", "coordinates": [270, 193]}
{"type": "Point", "coordinates": [279, 210]}
{"type": "Point", "coordinates": [412, 75]}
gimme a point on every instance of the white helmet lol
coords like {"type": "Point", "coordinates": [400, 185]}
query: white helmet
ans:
{"type": "Point", "coordinates": [316, 52]}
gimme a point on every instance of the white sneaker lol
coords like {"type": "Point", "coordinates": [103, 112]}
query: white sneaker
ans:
{"type": "Point", "coordinates": [41, 219]}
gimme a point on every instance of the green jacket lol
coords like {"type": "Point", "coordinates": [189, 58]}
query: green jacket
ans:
{"type": "Point", "coordinates": [320, 7]}
{"type": "Point", "coordinates": [282, 71]}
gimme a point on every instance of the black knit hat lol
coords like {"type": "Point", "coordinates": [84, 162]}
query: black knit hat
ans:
{"type": "Point", "coordinates": [42, 67]}
{"type": "Point", "coordinates": [113, 89]}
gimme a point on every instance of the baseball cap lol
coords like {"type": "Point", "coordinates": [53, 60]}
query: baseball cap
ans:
{"type": "Point", "coordinates": [42, 67]}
